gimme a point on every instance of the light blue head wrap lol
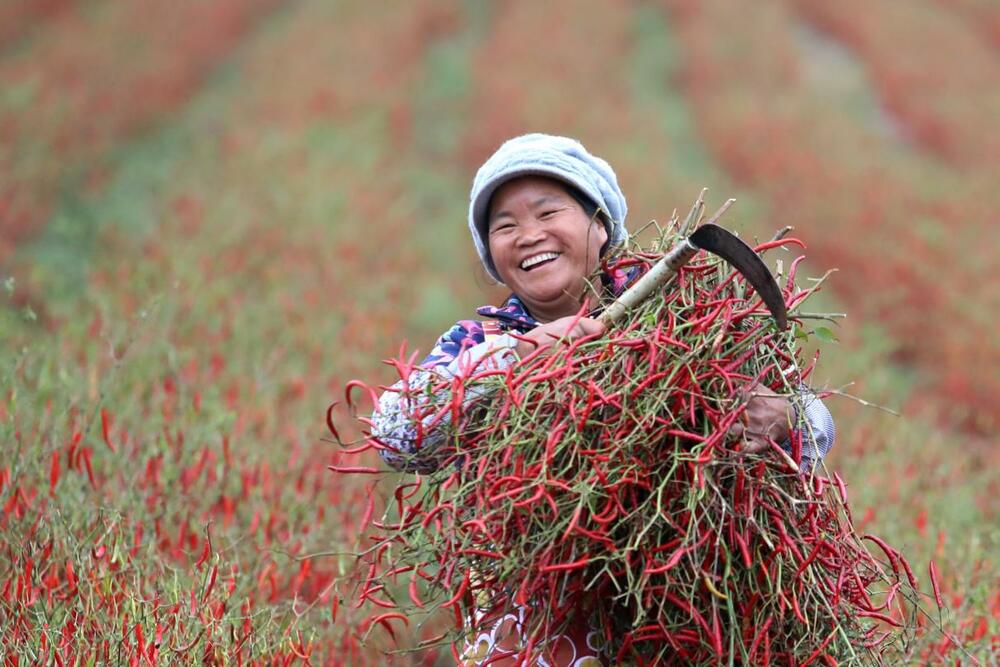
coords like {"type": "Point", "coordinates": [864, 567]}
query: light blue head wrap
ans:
{"type": "Point", "coordinates": [561, 158]}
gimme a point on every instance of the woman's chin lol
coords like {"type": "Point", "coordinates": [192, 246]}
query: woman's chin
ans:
{"type": "Point", "coordinates": [545, 299]}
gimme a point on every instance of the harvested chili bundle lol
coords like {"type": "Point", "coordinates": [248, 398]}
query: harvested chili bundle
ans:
{"type": "Point", "coordinates": [596, 483]}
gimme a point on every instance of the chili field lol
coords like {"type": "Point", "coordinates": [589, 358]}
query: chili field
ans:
{"type": "Point", "coordinates": [214, 216]}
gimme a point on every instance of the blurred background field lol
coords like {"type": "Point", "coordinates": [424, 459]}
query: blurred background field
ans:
{"type": "Point", "coordinates": [213, 215]}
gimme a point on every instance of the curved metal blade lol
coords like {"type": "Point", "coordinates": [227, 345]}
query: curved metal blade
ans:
{"type": "Point", "coordinates": [720, 241]}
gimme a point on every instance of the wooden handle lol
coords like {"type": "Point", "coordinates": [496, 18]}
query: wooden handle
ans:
{"type": "Point", "coordinates": [651, 281]}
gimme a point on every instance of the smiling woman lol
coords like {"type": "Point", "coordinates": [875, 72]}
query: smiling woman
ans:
{"type": "Point", "coordinates": [543, 212]}
{"type": "Point", "coordinates": [544, 244]}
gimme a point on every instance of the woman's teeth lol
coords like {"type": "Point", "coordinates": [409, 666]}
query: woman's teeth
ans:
{"type": "Point", "coordinates": [538, 259]}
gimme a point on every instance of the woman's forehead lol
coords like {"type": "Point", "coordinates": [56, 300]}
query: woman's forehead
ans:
{"type": "Point", "coordinates": [538, 189]}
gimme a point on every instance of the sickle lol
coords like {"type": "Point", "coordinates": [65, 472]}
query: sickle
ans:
{"type": "Point", "coordinates": [718, 241]}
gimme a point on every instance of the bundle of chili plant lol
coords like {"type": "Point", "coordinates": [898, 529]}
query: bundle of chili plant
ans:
{"type": "Point", "coordinates": [595, 482]}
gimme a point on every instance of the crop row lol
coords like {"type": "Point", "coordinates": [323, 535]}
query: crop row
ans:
{"type": "Point", "coordinates": [906, 234]}
{"type": "Point", "coordinates": [172, 488]}
{"type": "Point", "coordinates": [17, 19]}
{"type": "Point", "coordinates": [72, 95]}
{"type": "Point", "coordinates": [983, 14]}
{"type": "Point", "coordinates": [931, 70]}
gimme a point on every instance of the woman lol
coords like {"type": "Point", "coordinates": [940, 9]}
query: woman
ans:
{"type": "Point", "coordinates": [543, 212]}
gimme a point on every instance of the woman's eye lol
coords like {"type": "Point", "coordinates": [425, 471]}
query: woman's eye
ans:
{"type": "Point", "coordinates": [548, 214]}
{"type": "Point", "coordinates": [507, 226]}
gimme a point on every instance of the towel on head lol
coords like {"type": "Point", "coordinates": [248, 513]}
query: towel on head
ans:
{"type": "Point", "coordinates": [560, 158]}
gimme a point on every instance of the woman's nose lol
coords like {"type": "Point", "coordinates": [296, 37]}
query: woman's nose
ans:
{"type": "Point", "coordinates": [531, 232]}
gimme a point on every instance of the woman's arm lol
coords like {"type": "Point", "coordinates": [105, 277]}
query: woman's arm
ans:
{"type": "Point", "coordinates": [462, 350]}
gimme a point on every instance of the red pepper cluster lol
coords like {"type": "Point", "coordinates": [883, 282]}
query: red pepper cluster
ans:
{"type": "Point", "coordinates": [595, 483]}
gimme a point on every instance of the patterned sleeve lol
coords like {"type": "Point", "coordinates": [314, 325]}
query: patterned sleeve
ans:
{"type": "Point", "coordinates": [407, 445]}
{"type": "Point", "coordinates": [816, 428]}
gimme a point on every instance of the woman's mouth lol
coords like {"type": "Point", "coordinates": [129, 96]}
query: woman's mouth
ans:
{"type": "Point", "coordinates": [540, 259]}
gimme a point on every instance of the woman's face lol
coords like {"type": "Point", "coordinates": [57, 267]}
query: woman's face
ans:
{"type": "Point", "coordinates": [543, 245]}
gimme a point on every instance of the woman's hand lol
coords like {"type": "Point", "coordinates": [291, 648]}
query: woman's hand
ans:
{"type": "Point", "coordinates": [767, 415]}
{"type": "Point", "coordinates": [570, 328]}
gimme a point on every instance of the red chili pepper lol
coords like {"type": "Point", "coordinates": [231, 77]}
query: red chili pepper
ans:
{"type": "Point", "coordinates": [698, 325]}
{"type": "Point", "coordinates": [841, 487]}
{"type": "Point", "coordinates": [716, 632]}
{"type": "Point", "coordinates": [761, 247]}
{"type": "Point", "coordinates": [549, 375]}
{"type": "Point", "coordinates": [642, 386]}
{"type": "Point", "coordinates": [355, 470]}
{"type": "Point", "coordinates": [301, 652]}
{"type": "Point", "coordinates": [684, 606]}
{"type": "Point", "coordinates": [882, 617]}
{"type": "Point", "coordinates": [746, 354]}
{"type": "Point", "coordinates": [573, 522]}
{"type": "Point", "coordinates": [932, 569]}
{"type": "Point", "coordinates": [819, 649]}
{"type": "Point", "coordinates": [211, 582]}
{"type": "Point", "coordinates": [510, 493]}
{"type": "Point", "coordinates": [368, 596]}
{"type": "Point", "coordinates": [462, 588]}
{"type": "Point", "coordinates": [358, 384]}
{"type": "Point", "coordinates": [909, 572]}
{"type": "Point", "coordinates": [432, 515]}
{"type": "Point", "coordinates": [479, 552]}
{"type": "Point", "coordinates": [539, 493]}
{"type": "Point", "coordinates": [562, 567]}
{"type": "Point", "coordinates": [809, 559]}
{"type": "Point", "coordinates": [597, 537]}
{"type": "Point", "coordinates": [205, 552]}
{"type": "Point", "coordinates": [862, 599]}
{"type": "Point", "coordinates": [839, 586]}
{"type": "Point", "coordinates": [384, 619]}
{"type": "Point", "coordinates": [106, 429]}
{"type": "Point", "coordinates": [54, 473]}
{"type": "Point", "coordinates": [85, 455]}
{"type": "Point", "coordinates": [890, 553]}
{"type": "Point", "coordinates": [744, 551]}
{"type": "Point", "coordinates": [369, 509]}
{"type": "Point", "coordinates": [891, 595]}
{"type": "Point", "coordinates": [329, 422]}
{"type": "Point", "coordinates": [609, 513]}
{"type": "Point", "coordinates": [412, 591]}
{"type": "Point", "coordinates": [871, 643]}
{"type": "Point", "coordinates": [669, 564]}
{"type": "Point", "coordinates": [792, 269]}
{"type": "Point", "coordinates": [796, 610]}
